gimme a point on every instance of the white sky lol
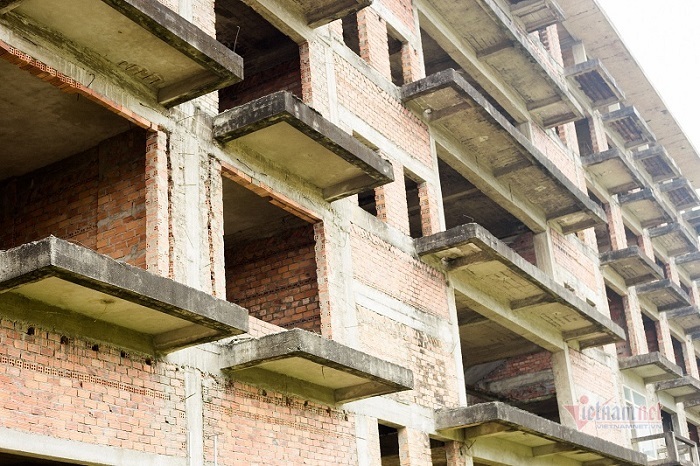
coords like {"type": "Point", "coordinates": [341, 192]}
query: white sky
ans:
{"type": "Point", "coordinates": [664, 38]}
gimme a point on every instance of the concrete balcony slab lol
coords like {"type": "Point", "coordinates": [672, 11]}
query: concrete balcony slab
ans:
{"type": "Point", "coordinates": [499, 422]}
{"type": "Point", "coordinates": [657, 163]}
{"type": "Point", "coordinates": [664, 294]}
{"type": "Point", "coordinates": [651, 367]}
{"type": "Point", "coordinates": [680, 192]}
{"type": "Point", "coordinates": [674, 238]}
{"type": "Point", "coordinates": [56, 284]}
{"type": "Point", "coordinates": [693, 218]}
{"type": "Point", "coordinates": [320, 12]}
{"type": "Point", "coordinates": [472, 254]}
{"type": "Point", "coordinates": [537, 14]}
{"type": "Point", "coordinates": [647, 207]}
{"type": "Point", "coordinates": [144, 39]}
{"type": "Point", "coordinates": [595, 82]}
{"type": "Point", "coordinates": [688, 318]}
{"type": "Point", "coordinates": [630, 126]}
{"type": "Point", "coordinates": [524, 65]}
{"type": "Point", "coordinates": [682, 389]}
{"type": "Point", "coordinates": [613, 171]}
{"type": "Point", "coordinates": [690, 263]}
{"type": "Point", "coordinates": [307, 364]}
{"type": "Point", "coordinates": [290, 134]}
{"type": "Point", "coordinates": [450, 104]}
{"type": "Point", "coordinates": [632, 265]}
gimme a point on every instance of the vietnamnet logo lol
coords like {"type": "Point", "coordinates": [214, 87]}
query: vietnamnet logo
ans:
{"type": "Point", "coordinates": [609, 415]}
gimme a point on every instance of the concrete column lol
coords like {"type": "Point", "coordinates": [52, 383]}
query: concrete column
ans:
{"type": "Point", "coordinates": [616, 225]}
{"type": "Point", "coordinates": [458, 454]}
{"type": "Point", "coordinates": [646, 245]}
{"type": "Point", "coordinates": [672, 271]}
{"type": "Point", "coordinates": [563, 384]}
{"type": "Point", "coordinates": [367, 438]}
{"type": "Point", "coordinates": [597, 131]}
{"type": "Point", "coordinates": [392, 206]}
{"type": "Point", "coordinates": [194, 409]}
{"type": "Point", "coordinates": [691, 363]}
{"type": "Point", "coordinates": [578, 50]}
{"type": "Point", "coordinates": [543, 253]}
{"type": "Point", "coordinates": [664, 333]}
{"type": "Point", "coordinates": [318, 78]}
{"type": "Point", "coordinates": [694, 292]}
{"type": "Point", "coordinates": [635, 327]}
{"type": "Point", "coordinates": [157, 209]}
{"type": "Point", "coordinates": [682, 422]}
{"type": "Point", "coordinates": [414, 447]}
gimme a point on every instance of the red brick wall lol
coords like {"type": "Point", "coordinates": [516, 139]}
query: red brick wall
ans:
{"type": "Point", "coordinates": [524, 245]}
{"type": "Point", "coordinates": [95, 198]}
{"type": "Point", "coordinates": [70, 391]}
{"type": "Point", "coordinates": [530, 364]}
{"type": "Point", "coordinates": [282, 77]}
{"type": "Point", "coordinates": [275, 279]}
{"type": "Point", "coordinates": [617, 314]}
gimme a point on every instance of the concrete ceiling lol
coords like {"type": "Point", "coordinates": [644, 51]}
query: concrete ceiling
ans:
{"type": "Point", "coordinates": [39, 124]}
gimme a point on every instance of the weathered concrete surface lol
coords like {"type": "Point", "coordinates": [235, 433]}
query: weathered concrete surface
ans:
{"type": "Point", "coordinates": [305, 363]}
{"type": "Point", "coordinates": [320, 12]}
{"type": "Point", "coordinates": [537, 14]}
{"type": "Point", "coordinates": [145, 39]}
{"type": "Point", "coordinates": [447, 101]}
{"type": "Point", "coordinates": [630, 126]}
{"type": "Point", "coordinates": [657, 163]}
{"type": "Point", "coordinates": [688, 318]}
{"type": "Point", "coordinates": [681, 194]}
{"type": "Point", "coordinates": [542, 436]}
{"type": "Point", "coordinates": [664, 294]}
{"type": "Point", "coordinates": [690, 263]}
{"type": "Point", "coordinates": [674, 238]}
{"type": "Point", "coordinates": [472, 254]}
{"type": "Point", "coordinates": [682, 389]}
{"type": "Point", "coordinates": [633, 265]}
{"type": "Point", "coordinates": [613, 171]}
{"type": "Point", "coordinates": [97, 297]}
{"type": "Point", "coordinates": [647, 207]}
{"type": "Point", "coordinates": [595, 82]}
{"type": "Point", "coordinates": [651, 367]}
{"type": "Point", "coordinates": [325, 155]}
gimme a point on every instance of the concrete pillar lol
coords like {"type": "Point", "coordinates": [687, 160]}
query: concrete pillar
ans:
{"type": "Point", "coordinates": [635, 326]}
{"type": "Point", "coordinates": [543, 253]}
{"type": "Point", "coordinates": [646, 245]}
{"type": "Point", "coordinates": [458, 454]}
{"type": "Point", "coordinates": [694, 292]}
{"type": "Point", "coordinates": [318, 78]}
{"type": "Point", "coordinates": [691, 363]}
{"type": "Point", "coordinates": [563, 384]}
{"type": "Point", "coordinates": [664, 334]}
{"type": "Point", "coordinates": [157, 209]}
{"type": "Point", "coordinates": [680, 427]}
{"type": "Point", "coordinates": [392, 206]}
{"type": "Point", "coordinates": [414, 447]}
{"type": "Point", "coordinates": [578, 50]}
{"type": "Point", "coordinates": [672, 271]}
{"type": "Point", "coordinates": [367, 438]}
{"type": "Point", "coordinates": [194, 409]}
{"type": "Point", "coordinates": [597, 132]}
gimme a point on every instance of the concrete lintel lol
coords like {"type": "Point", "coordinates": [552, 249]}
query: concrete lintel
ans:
{"type": "Point", "coordinates": [651, 367]}
{"type": "Point", "coordinates": [507, 420]}
{"type": "Point", "coordinates": [343, 373]}
{"type": "Point", "coordinates": [613, 171]}
{"type": "Point", "coordinates": [78, 280]}
{"type": "Point", "coordinates": [447, 89]}
{"type": "Point", "coordinates": [596, 82]}
{"type": "Point", "coordinates": [458, 244]}
{"type": "Point", "coordinates": [665, 294]}
{"type": "Point", "coordinates": [181, 60]}
{"type": "Point", "coordinates": [272, 124]}
{"type": "Point", "coordinates": [632, 264]}
{"type": "Point", "coordinates": [49, 447]}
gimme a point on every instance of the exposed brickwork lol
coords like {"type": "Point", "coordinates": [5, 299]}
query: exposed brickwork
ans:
{"type": "Point", "coordinates": [524, 245]}
{"type": "Point", "coordinates": [284, 76]}
{"type": "Point", "coordinates": [96, 198]}
{"type": "Point", "coordinates": [535, 380]}
{"type": "Point", "coordinates": [275, 279]}
{"type": "Point", "coordinates": [617, 314]}
{"type": "Point", "coordinates": [374, 48]}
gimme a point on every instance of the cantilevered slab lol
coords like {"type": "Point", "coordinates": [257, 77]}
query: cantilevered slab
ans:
{"type": "Point", "coordinates": [537, 14]}
{"type": "Point", "coordinates": [682, 389]}
{"type": "Point", "coordinates": [664, 294]}
{"type": "Point", "coordinates": [632, 265]}
{"type": "Point", "coordinates": [688, 317]}
{"type": "Point", "coordinates": [693, 218]}
{"type": "Point", "coordinates": [647, 207]}
{"type": "Point", "coordinates": [690, 263]}
{"type": "Point", "coordinates": [674, 238]}
{"type": "Point", "coordinates": [295, 137]}
{"type": "Point", "coordinates": [451, 104]}
{"type": "Point", "coordinates": [498, 423]}
{"type": "Point", "coordinates": [173, 58]}
{"type": "Point", "coordinates": [613, 171]}
{"type": "Point", "coordinates": [302, 362]}
{"type": "Point", "coordinates": [656, 161]}
{"type": "Point", "coordinates": [681, 194]}
{"type": "Point", "coordinates": [320, 12]}
{"type": "Point", "coordinates": [651, 367]}
{"type": "Point", "coordinates": [524, 65]}
{"type": "Point", "coordinates": [471, 253]}
{"type": "Point", "coordinates": [56, 284]}
{"type": "Point", "coordinates": [630, 126]}
{"type": "Point", "coordinates": [595, 82]}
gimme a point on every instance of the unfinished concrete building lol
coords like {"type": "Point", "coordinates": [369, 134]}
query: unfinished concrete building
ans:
{"type": "Point", "coordinates": [341, 232]}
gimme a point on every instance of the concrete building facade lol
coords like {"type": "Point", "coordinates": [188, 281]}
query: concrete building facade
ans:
{"type": "Point", "coordinates": [274, 232]}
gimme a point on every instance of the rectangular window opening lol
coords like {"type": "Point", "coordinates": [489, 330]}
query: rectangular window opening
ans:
{"type": "Point", "coordinates": [351, 33]}
{"type": "Point", "coordinates": [414, 206]}
{"type": "Point", "coordinates": [389, 445]}
{"type": "Point", "coordinates": [396, 46]}
{"type": "Point", "coordinates": [650, 333]}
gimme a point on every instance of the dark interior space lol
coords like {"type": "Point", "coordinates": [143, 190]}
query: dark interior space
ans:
{"type": "Point", "coordinates": [270, 260]}
{"type": "Point", "coordinates": [465, 203]}
{"type": "Point", "coordinates": [271, 59]}
{"type": "Point", "coordinates": [583, 135]}
{"type": "Point", "coordinates": [678, 353]}
{"type": "Point", "coordinates": [7, 459]}
{"type": "Point", "coordinates": [351, 34]}
{"type": "Point", "coordinates": [395, 60]}
{"type": "Point", "coordinates": [651, 334]}
{"type": "Point", "coordinates": [616, 305]}
{"type": "Point", "coordinates": [413, 203]}
{"type": "Point", "coordinates": [389, 445]}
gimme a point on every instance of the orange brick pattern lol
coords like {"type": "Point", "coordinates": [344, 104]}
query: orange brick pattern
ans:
{"type": "Point", "coordinates": [70, 391]}
{"type": "Point", "coordinates": [275, 279]}
{"type": "Point", "coordinates": [96, 199]}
